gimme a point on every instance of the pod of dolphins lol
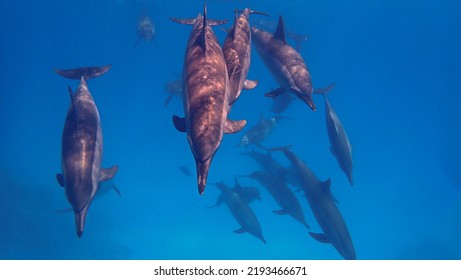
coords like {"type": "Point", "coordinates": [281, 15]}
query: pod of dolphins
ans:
{"type": "Point", "coordinates": [213, 78]}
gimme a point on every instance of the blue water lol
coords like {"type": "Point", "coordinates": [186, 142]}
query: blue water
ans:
{"type": "Point", "coordinates": [396, 68]}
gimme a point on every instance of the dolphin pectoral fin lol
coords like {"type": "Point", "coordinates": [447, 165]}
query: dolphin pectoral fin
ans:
{"type": "Point", "coordinates": [107, 173]}
{"type": "Point", "coordinates": [179, 123]}
{"type": "Point", "coordinates": [249, 84]}
{"type": "Point", "coordinates": [325, 90]}
{"type": "Point", "coordinates": [189, 21]}
{"type": "Point", "coordinates": [60, 179]}
{"type": "Point", "coordinates": [320, 237]}
{"type": "Point", "coordinates": [214, 22]}
{"type": "Point", "coordinates": [240, 231]}
{"type": "Point", "coordinates": [231, 127]}
{"type": "Point", "coordinates": [280, 212]}
{"type": "Point", "coordinates": [276, 92]}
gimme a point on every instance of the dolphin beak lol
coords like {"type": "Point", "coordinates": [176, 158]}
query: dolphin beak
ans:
{"type": "Point", "coordinates": [308, 100]}
{"type": "Point", "coordinates": [80, 218]}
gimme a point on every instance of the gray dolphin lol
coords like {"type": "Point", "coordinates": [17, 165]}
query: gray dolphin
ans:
{"type": "Point", "coordinates": [247, 194]}
{"type": "Point", "coordinates": [205, 95]}
{"type": "Point", "coordinates": [146, 30]}
{"type": "Point", "coordinates": [324, 207]}
{"type": "Point", "coordinates": [260, 131]}
{"type": "Point", "coordinates": [278, 189]}
{"type": "Point", "coordinates": [82, 146]}
{"type": "Point", "coordinates": [237, 53]}
{"type": "Point", "coordinates": [285, 63]}
{"type": "Point", "coordinates": [241, 212]}
{"type": "Point", "coordinates": [340, 145]}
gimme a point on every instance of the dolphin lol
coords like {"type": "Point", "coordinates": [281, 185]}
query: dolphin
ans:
{"type": "Point", "coordinates": [247, 194]}
{"type": "Point", "coordinates": [205, 95]}
{"type": "Point", "coordinates": [340, 146]}
{"type": "Point", "coordinates": [146, 30]}
{"type": "Point", "coordinates": [279, 190]}
{"type": "Point", "coordinates": [285, 63]}
{"type": "Point", "coordinates": [260, 131]}
{"type": "Point", "coordinates": [237, 53]}
{"type": "Point", "coordinates": [324, 207]}
{"type": "Point", "coordinates": [82, 146]}
{"type": "Point", "coordinates": [173, 88]}
{"type": "Point", "coordinates": [241, 212]}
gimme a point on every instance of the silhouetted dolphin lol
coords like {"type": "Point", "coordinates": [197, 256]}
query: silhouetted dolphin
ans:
{"type": "Point", "coordinates": [206, 93]}
{"type": "Point", "coordinates": [247, 194]}
{"type": "Point", "coordinates": [146, 30]}
{"type": "Point", "coordinates": [324, 207]}
{"type": "Point", "coordinates": [260, 131]}
{"type": "Point", "coordinates": [285, 64]}
{"type": "Point", "coordinates": [241, 212]}
{"type": "Point", "coordinates": [82, 146]}
{"type": "Point", "coordinates": [285, 198]}
{"type": "Point", "coordinates": [237, 53]}
{"type": "Point", "coordinates": [340, 146]}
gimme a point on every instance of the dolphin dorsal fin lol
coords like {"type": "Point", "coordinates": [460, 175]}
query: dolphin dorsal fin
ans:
{"type": "Point", "coordinates": [203, 35]}
{"type": "Point", "coordinates": [280, 32]}
{"type": "Point", "coordinates": [235, 25]}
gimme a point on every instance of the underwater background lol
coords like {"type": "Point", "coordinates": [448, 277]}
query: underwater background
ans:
{"type": "Point", "coordinates": [396, 65]}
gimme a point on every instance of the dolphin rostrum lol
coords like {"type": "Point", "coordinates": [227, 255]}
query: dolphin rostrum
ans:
{"type": "Point", "coordinates": [324, 207]}
{"type": "Point", "coordinates": [340, 145]}
{"type": "Point", "coordinates": [82, 146]}
{"type": "Point", "coordinates": [205, 95]}
{"type": "Point", "coordinates": [285, 63]}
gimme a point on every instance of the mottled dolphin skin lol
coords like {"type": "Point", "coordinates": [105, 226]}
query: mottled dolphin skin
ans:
{"type": "Point", "coordinates": [324, 207]}
{"type": "Point", "coordinates": [340, 146]}
{"type": "Point", "coordinates": [278, 189]}
{"type": "Point", "coordinates": [82, 146]}
{"type": "Point", "coordinates": [146, 30]}
{"type": "Point", "coordinates": [237, 53]}
{"type": "Point", "coordinates": [241, 212]}
{"type": "Point", "coordinates": [260, 131]}
{"type": "Point", "coordinates": [205, 95]}
{"type": "Point", "coordinates": [285, 63]}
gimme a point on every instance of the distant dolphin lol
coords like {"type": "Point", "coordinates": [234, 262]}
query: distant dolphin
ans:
{"type": "Point", "coordinates": [324, 207]}
{"type": "Point", "coordinates": [276, 186]}
{"type": "Point", "coordinates": [82, 146]}
{"type": "Point", "coordinates": [285, 63]}
{"type": "Point", "coordinates": [173, 88]}
{"type": "Point", "coordinates": [340, 146]}
{"type": "Point", "coordinates": [237, 53]}
{"type": "Point", "coordinates": [205, 95]}
{"type": "Point", "coordinates": [260, 131]}
{"type": "Point", "coordinates": [146, 30]}
{"type": "Point", "coordinates": [241, 212]}
{"type": "Point", "coordinates": [247, 194]}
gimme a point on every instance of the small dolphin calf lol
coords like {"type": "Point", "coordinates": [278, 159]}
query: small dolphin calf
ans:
{"type": "Point", "coordinates": [82, 146]}
{"type": "Point", "coordinates": [205, 95]}
{"type": "Point", "coordinates": [241, 211]}
{"type": "Point", "coordinates": [260, 131]}
{"type": "Point", "coordinates": [237, 53]}
{"type": "Point", "coordinates": [340, 146]}
{"type": "Point", "coordinates": [285, 63]}
{"type": "Point", "coordinates": [324, 207]}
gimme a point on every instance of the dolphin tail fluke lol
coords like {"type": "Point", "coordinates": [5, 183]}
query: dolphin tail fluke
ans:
{"type": "Point", "coordinates": [107, 173]}
{"type": "Point", "coordinates": [324, 90]}
{"type": "Point", "coordinates": [85, 72]}
{"type": "Point", "coordinates": [202, 174]}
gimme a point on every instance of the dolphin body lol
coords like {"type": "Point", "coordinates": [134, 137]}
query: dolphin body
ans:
{"type": "Point", "coordinates": [205, 95]}
{"type": "Point", "coordinates": [237, 53]}
{"type": "Point", "coordinates": [324, 207]}
{"type": "Point", "coordinates": [241, 212]}
{"type": "Point", "coordinates": [260, 131]}
{"type": "Point", "coordinates": [82, 146]}
{"type": "Point", "coordinates": [247, 194]}
{"type": "Point", "coordinates": [285, 63]}
{"type": "Point", "coordinates": [146, 30]}
{"type": "Point", "coordinates": [284, 197]}
{"type": "Point", "coordinates": [340, 146]}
